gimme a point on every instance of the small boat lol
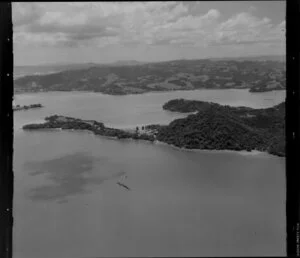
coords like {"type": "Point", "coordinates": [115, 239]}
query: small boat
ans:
{"type": "Point", "coordinates": [125, 186]}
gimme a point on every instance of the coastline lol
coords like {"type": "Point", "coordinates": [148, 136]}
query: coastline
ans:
{"type": "Point", "coordinates": [192, 132]}
{"type": "Point", "coordinates": [26, 108]}
{"type": "Point", "coordinates": [157, 142]}
{"type": "Point", "coordinates": [148, 92]}
{"type": "Point", "coordinates": [241, 152]}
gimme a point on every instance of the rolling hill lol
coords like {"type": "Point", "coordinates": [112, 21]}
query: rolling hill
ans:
{"type": "Point", "coordinates": [133, 77]}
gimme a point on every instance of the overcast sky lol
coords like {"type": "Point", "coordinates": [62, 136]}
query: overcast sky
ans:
{"type": "Point", "coordinates": [105, 32]}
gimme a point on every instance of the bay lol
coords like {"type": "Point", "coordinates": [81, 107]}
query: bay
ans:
{"type": "Point", "coordinates": [67, 202]}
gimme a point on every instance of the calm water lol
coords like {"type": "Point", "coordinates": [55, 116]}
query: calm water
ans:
{"type": "Point", "coordinates": [182, 203]}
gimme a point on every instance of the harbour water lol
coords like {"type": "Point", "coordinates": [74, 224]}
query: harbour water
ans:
{"type": "Point", "coordinates": [67, 202]}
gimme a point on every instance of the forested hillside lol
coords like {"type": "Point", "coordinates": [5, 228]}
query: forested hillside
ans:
{"type": "Point", "coordinates": [224, 127]}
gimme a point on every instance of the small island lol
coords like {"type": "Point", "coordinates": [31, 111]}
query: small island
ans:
{"type": "Point", "coordinates": [25, 107]}
{"type": "Point", "coordinates": [211, 127]}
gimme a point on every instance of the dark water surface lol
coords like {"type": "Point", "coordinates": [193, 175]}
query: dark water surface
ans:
{"type": "Point", "coordinates": [67, 202]}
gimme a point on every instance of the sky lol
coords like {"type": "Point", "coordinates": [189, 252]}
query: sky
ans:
{"type": "Point", "coordinates": [105, 32]}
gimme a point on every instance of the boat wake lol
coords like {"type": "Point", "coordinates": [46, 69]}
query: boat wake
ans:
{"type": "Point", "coordinates": [123, 185]}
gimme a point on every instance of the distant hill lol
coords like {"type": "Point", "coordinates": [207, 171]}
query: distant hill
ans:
{"type": "Point", "coordinates": [133, 77]}
{"type": "Point", "coordinates": [126, 62]}
{"type": "Point", "coordinates": [20, 71]}
{"type": "Point", "coordinates": [24, 70]}
{"type": "Point", "coordinates": [280, 58]}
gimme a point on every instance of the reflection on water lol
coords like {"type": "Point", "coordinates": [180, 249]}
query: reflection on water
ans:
{"type": "Point", "coordinates": [68, 175]}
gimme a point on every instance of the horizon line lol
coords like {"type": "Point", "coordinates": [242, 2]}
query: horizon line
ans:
{"type": "Point", "coordinates": [146, 62]}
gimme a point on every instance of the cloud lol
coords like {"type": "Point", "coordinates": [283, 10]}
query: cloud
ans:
{"type": "Point", "coordinates": [244, 28]}
{"type": "Point", "coordinates": [24, 14]}
{"type": "Point", "coordinates": [130, 23]}
{"type": "Point", "coordinates": [89, 21]}
{"type": "Point", "coordinates": [64, 22]}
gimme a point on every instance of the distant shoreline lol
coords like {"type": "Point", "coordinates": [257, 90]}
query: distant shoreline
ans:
{"type": "Point", "coordinates": [25, 107]}
{"type": "Point", "coordinates": [149, 92]}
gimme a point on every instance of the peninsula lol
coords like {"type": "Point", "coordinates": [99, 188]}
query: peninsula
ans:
{"type": "Point", "coordinates": [98, 128]}
{"type": "Point", "coordinates": [212, 127]}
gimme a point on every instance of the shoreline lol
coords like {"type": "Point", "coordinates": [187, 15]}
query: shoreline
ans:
{"type": "Point", "coordinates": [192, 131]}
{"type": "Point", "coordinates": [148, 92]}
{"type": "Point", "coordinates": [241, 152]}
{"type": "Point", "coordinates": [157, 142]}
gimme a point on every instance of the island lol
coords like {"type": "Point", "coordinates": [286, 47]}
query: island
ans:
{"type": "Point", "coordinates": [25, 107]}
{"type": "Point", "coordinates": [211, 127]}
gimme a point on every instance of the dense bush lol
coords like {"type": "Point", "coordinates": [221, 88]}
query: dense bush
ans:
{"type": "Point", "coordinates": [224, 127]}
{"type": "Point", "coordinates": [212, 127]}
